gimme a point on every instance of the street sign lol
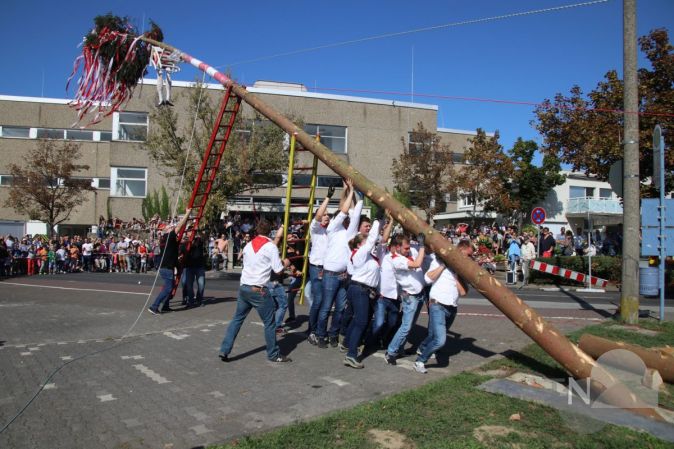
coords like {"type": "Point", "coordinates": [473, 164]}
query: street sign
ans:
{"type": "Point", "coordinates": [538, 215]}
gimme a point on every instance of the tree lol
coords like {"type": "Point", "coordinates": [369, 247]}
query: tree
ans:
{"type": "Point", "coordinates": [486, 178]}
{"type": "Point", "coordinates": [44, 187]}
{"type": "Point", "coordinates": [164, 206]}
{"type": "Point", "coordinates": [586, 131]}
{"type": "Point", "coordinates": [422, 170]}
{"type": "Point", "coordinates": [530, 184]}
{"type": "Point", "coordinates": [255, 147]}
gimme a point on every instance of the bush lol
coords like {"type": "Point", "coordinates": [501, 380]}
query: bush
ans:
{"type": "Point", "coordinates": [605, 267]}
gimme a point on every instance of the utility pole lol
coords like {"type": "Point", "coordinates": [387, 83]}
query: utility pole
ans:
{"type": "Point", "coordinates": [629, 299]}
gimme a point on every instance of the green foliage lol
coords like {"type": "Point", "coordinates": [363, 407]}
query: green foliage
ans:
{"type": "Point", "coordinates": [44, 187]}
{"type": "Point", "coordinates": [164, 206]}
{"type": "Point", "coordinates": [403, 197]}
{"type": "Point", "coordinates": [256, 147]}
{"type": "Point", "coordinates": [605, 267]}
{"type": "Point", "coordinates": [422, 170]}
{"type": "Point", "coordinates": [146, 208]}
{"type": "Point", "coordinates": [530, 228]}
{"type": "Point", "coordinates": [581, 131]}
{"type": "Point", "coordinates": [530, 184]}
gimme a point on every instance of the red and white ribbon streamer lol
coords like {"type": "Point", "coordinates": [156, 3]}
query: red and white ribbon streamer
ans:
{"type": "Point", "coordinates": [568, 274]}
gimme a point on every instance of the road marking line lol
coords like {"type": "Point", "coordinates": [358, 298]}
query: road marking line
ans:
{"type": "Point", "coordinates": [51, 386]}
{"type": "Point", "coordinates": [72, 288]}
{"type": "Point", "coordinates": [176, 336]}
{"type": "Point", "coordinates": [35, 348]}
{"type": "Point", "coordinates": [216, 394]}
{"type": "Point", "coordinates": [106, 397]}
{"type": "Point", "coordinates": [205, 330]}
{"type": "Point", "coordinates": [132, 357]}
{"type": "Point", "coordinates": [66, 357]}
{"type": "Point", "coordinates": [338, 382]}
{"type": "Point", "coordinates": [151, 374]}
{"type": "Point", "coordinates": [26, 353]}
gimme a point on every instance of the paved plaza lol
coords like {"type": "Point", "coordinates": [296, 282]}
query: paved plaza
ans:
{"type": "Point", "coordinates": [163, 386]}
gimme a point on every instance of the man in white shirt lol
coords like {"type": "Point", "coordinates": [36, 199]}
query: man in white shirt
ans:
{"type": "Point", "coordinates": [410, 279]}
{"type": "Point", "coordinates": [260, 258]}
{"type": "Point", "coordinates": [319, 246]}
{"type": "Point", "coordinates": [341, 229]}
{"type": "Point", "coordinates": [528, 254]}
{"type": "Point", "coordinates": [87, 250]}
{"type": "Point", "coordinates": [442, 305]}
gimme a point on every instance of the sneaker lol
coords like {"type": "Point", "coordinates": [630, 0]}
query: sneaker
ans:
{"type": "Point", "coordinates": [281, 332]}
{"type": "Point", "coordinates": [322, 343]}
{"type": "Point", "coordinates": [281, 359]}
{"type": "Point", "coordinates": [334, 341]}
{"type": "Point", "coordinates": [353, 363]}
{"type": "Point", "coordinates": [153, 311]}
{"type": "Point", "coordinates": [312, 339]}
{"type": "Point", "coordinates": [390, 359]}
{"type": "Point", "coordinates": [342, 348]}
{"type": "Point", "coordinates": [420, 368]}
{"type": "Point", "coordinates": [223, 357]}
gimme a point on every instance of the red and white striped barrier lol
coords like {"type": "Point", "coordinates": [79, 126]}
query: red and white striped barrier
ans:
{"type": "Point", "coordinates": [568, 274]}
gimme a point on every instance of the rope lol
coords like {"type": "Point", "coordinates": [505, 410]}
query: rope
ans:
{"type": "Point", "coordinates": [142, 310]}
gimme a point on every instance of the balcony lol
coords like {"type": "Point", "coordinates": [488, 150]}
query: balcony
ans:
{"type": "Point", "coordinates": [593, 206]}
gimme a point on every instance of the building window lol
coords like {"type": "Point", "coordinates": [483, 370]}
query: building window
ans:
{"type": "Point", "coordinates": [130, 126]}
{"type": "Point", "coordinates": [333, 137]}
{"type": "Point", "coordinates": [329, 181]}
{"type": "Point", "coordinates": [16, 132]}
{"type": "Point", "coordinates": [6, 180]}
{"type": "Point", "coordinates": [581, 192]}
{"type": "Point", "coordinates": [605, 194]}
{"type": "Point", "coordinates": [47, 133]}
{"type": "Point", "coordinates": [79, 134]}
{"type": "Point", "coordinates": [466, 200]}
{"type": "Point", "coordinates": [105, 136]}
{"type": "Point", "coordinates": [128, 182]}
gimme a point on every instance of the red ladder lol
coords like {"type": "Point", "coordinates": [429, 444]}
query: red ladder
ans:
{"type": "Point", "coordinates": [222, 130]}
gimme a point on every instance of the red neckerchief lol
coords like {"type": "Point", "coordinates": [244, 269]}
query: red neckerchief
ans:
{"type": "Point", "coordinates": [393, 256]}
{"type": "Point", "coordinates": [353, 253]}
{"type": "Point", "coordinates": [258, 242]}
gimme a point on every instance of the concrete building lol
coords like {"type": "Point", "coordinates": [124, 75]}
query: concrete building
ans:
{"type": "Point", "coordinates": [367, 133]}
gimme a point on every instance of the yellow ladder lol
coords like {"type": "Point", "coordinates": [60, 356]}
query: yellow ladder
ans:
{"type": "Point", "coordinates": [310, 214]}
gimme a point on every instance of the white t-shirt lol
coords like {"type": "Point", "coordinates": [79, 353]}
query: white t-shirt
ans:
{"type": "Point", "coordinates": [87, 248]}
{"type": "Point", "coordinates": [444, 289]}
{"type": "Point", "coordinates": [388, 286]}
{"type": "Point", "coordinates": [122, 247]}
{"type": "Point", "coordinates": [260, 257]}
{"type": "Point", "coordinates": [319, 243]}
{"type": "Point", "coordinates": [338, 252]}
{"type": "Point", "coordinates": [365, 267]}
{"type": "Point", "coordinates": [410, 280]}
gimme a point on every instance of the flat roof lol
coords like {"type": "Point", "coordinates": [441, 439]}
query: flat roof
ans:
{"type": "Point", "coordinates": [257, 90]}
{"type": "Point", "coordinates": [463, 131]}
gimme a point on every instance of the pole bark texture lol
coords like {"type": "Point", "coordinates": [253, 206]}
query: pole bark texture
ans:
{"type": "Point", "coordinates": [629, 298]}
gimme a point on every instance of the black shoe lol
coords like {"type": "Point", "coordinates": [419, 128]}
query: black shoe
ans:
{"type": "Point", "coordinates": [168, 103]}
{"type": "Point", "coordinates": [353, 363]}
{"type": "Point", "coordinates": [390, 359]}
{"type": "Point", "coordinates": [334, 341]}
{"type": "Point", "coordinates": [322, 343]}
{"type": "Point", "coordinates": [281, 359]}
{"type": "Point", "coordinates": [223, 357]}
{"type": "Point", "coordinates": [166, 310]}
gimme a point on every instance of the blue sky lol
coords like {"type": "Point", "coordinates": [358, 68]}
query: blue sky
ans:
{"type": "Point", "coordinates": [526, 58]}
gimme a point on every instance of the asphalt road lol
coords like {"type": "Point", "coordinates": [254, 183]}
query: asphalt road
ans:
{"type": "Point", "coordinates": [116, 376]}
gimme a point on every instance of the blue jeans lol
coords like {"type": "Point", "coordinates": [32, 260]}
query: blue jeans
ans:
{"type": "Point", "coordinates": [386, 312]}
{"type": "Point", "coordinates": [359, 299]}
{"type": "Point", "coordinates": [192, 274]}
{"type": "Point", "coordinates": [164, 295]}
{"type": "Point", "coordinates": [334, 291]}
{"type": "Point", "coordinates": [264, 304]}
{"type": "Point", "coordinates": [316, 295]}
{"type": "Point", "coordinates": [410, 304]}
{"type": "Point", "coordinates": [293, 289]}
{"type": "Point", "coordinates": [278, 294]}
{"type": "Point", "coordinates": [440, 318]}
